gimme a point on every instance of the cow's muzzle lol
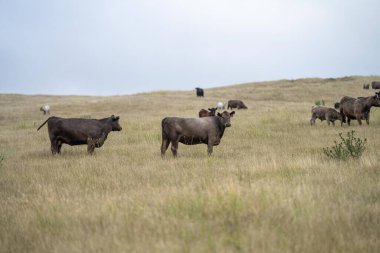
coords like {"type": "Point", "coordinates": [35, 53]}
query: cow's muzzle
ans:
{"type": "Point", "coordinates": [228, 124]}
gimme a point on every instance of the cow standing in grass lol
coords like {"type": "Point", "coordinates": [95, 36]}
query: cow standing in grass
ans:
{"type": "Point", "coordinates": [358, 108]}
{"type": "Point", "coordinates": [45, 109]}
{"type": "Point", "coordinates": [205, 113]}
{"type": "Point", "coordinates": [191, 131]}
{"type": "Point", "coordinates": [236, 104]}
{"type": "Point", "coordinates": [76, 131]}
{"type": "Point", "coordinates": [324, 113]}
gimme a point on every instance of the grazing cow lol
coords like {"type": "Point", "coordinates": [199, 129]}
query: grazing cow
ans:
{"type": "Point", "coordinates": [236, 104]}
{"type": "Point", "coordinates": [324, 113]}
{"type": "Point", "coordinates": [366, 86]}
{"type": "Point", "coordinates": [200, 92]}
{"type": "Point", "coordinates": [375, 85]}
{"type": "Point", "coordinates": [336, 105]}
{"type": "Point", "coordinates": [191, 131]}
{"type": "Point", "coordinates": [209, 113]}
{"type": "Point", "coordinates": [75, 131]}
{"type": "Point", "coordinates": [220, 105]}
{"type": "Point", "coordinates": [45, 109]}
{"type": "Point", "coordinates": [358, 108]}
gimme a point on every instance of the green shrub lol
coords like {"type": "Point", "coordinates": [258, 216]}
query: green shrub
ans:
{"type": "Point", "coordinates": [349, 147]}
{"type": "Point", "coordinates": [1, 160]}
{"type": "Point", "coordinates": [320, 102]}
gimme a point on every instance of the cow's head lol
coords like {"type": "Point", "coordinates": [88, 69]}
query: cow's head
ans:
{"type": "Point", "coordinates": [376, 100]}
{"type": "Point", "coordinates": [225, 117]}
{"type": "Point", "coordinates": [115, 123]}
{"type": "Point", "coordinates": [212, 111]}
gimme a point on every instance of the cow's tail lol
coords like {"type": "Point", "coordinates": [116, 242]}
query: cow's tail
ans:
{"type": "Point", "coordinates": [43, 123]}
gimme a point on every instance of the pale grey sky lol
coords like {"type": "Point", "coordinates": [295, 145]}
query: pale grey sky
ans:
{"type": "Point", "coordinates": [110, 47]}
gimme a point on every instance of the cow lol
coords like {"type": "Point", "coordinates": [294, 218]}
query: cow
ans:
{"type": "Point", "coordinates": [366, 86]}
{"type": "Point", "coordinates": [375, 85]}
{"type": "Point", "coordinates": [358, 108]}
{"type": "Point", "coordinates": [336, 105]}
{"type": "Point", "coordinates": [199, 92]}
{"type": "Point", "coordinates": [45, 109]}
{"type": "Point", "coordinates": [220, 105]}
{"type": "Point", "coordinates": [191, 131]}
{"type": "Point", "coordinates": [205, 113]}
{"type": "Point", "coordinates": [77, 131]}
{"type": "Point", "coordinates": [324, 113]}
{"type": "Point", "coordinates": [236, 104]}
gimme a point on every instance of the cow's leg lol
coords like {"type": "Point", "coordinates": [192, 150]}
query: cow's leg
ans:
{"type": "Point", "coordinates": [90, 145]}
{"type": "Point", "coordinates": [359, 121]}
{"type": "Point", "coordinates": [164, 145]}
{"type": "Point", "coordinates": [209, 147]}
{"type": "Point", "coordinates": [54, 146]}
{"type": "Point", "coordinates": [174, 147]}
{"type": "Point", "coordinates": [312, 121]}
{"type": "Point", "coordinates": [349, 121]}
{"type": "Point", "coordinates": [367, 119]}
{"type": "Point", "coordinates": [333, 122]}
{"type": "Point", "coordinates": [59, 146]}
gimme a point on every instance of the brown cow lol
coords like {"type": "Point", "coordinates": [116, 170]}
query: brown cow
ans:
{"type": "Point", "coordinates": [324, 113]}
{"type": "Point", "coordinates": [209, 113]}
{"type": "Point", "coordinates": [75, 131]}
{"type": "Point", "coordinates": [358, 108]}
{"type": "Point", "coordinates": [191, 131]}
{"type": "Point", "coordinates": [366, 86]}
{"type": "Point", "coordinates": [236, 104]}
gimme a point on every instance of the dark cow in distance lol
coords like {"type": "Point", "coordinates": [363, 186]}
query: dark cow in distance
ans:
{"type": "Point", "coordinates": [324, 113]}
{"type": "Point", "coordinates": [375, 85]}
{"type": "Point", "coordinates": [358, 108]}
{"type": "Point", "coordinates": [236, 104]}
{"type": "Point", "coordinates": [209, 113]}
{"type": "Point", "coordinates": [76, 131]}
{"type": "Point", "coordinates": [366, 86]}
{"type": "Point", "coordinates": [200, 92]}
{"type": "Point", "coordinates": [336, 105]}
{"type": "Point", "coordinates": [191, 131]}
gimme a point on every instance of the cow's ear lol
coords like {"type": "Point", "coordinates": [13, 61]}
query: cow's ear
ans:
{"type": "Point", "coordinates": [116, 118]}
{"type": "Point", "coordinates": [232, 113]}
{"type": "Point", "coordinates": [220, 115]}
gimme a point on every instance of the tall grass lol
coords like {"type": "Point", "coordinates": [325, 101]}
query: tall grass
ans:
{"type": "Point", "coordinates": [267, 187]}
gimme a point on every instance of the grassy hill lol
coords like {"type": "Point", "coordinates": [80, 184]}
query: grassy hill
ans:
{"type": "Point", "coordinates": [267, 187]}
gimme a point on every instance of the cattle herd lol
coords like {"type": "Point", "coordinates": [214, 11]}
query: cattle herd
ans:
{"type": "Point", "coordinates": [207, 129]}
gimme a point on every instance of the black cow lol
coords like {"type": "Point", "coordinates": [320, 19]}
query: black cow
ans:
{"type": "Point", "coordinates": [191, 131]}
{"type": "Point", "coordinates": [375, 85]}
{"type": "Point", "coordinates": [200, 92]}
{"type": "Point", "coordinates": [358, 108]}
{"type": "Point", "coordinates": [236, 104]}
{"type": "Point", "coordinates": [76, 131]}
{"type": "Point", "coordinates": [336, 105]}
{"type": "Point", "coordinates": [205, 113]}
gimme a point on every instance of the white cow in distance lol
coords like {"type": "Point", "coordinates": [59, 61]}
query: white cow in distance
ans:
{"type": "Point", "coordinates": [45, 109]}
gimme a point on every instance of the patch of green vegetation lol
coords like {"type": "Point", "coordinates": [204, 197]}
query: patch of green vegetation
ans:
{"type": "Point", "coordinates": [349, 147]}
{"type": "Point", "coordinates": [320, 102]}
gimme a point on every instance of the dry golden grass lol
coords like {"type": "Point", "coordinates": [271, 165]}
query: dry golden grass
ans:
{"type": "Point", "coordinates": [266, 188]}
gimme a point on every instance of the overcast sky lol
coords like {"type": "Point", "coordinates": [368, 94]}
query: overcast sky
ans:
{"type": "Point", "coordinates": [110, 47]}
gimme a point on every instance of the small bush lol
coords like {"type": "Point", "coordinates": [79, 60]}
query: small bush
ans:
{"type": "Point", "coordinates": [320, 102]}
{"type": "Point", "coordinates": [349, 147]}
{"type": "Point", "coordinates": [1, 160]}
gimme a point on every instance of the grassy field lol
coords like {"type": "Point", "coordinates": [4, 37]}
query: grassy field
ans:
{"type": "Point", "coordinates": [268, 187]}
